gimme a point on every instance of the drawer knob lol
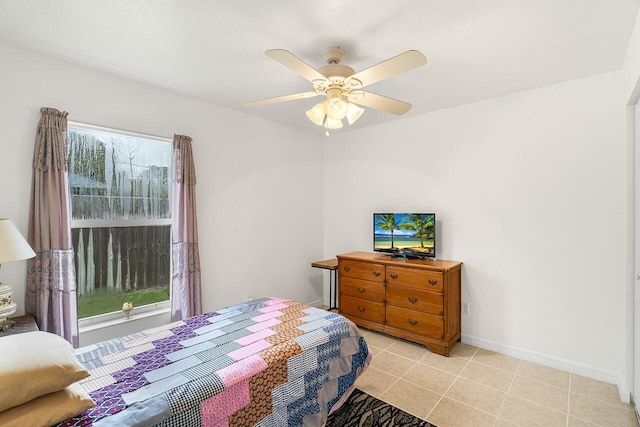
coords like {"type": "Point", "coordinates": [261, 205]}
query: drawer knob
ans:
{"type": "Point", "coordinates": [412, 322]}
{"type": "Point", "coordinates": [376, 273]}
{"type": "Point", "coordinates": [394, 276]}
{"type": "Point", "coordinates": [347, 268]}
{"type": "Point", "coordinates": [361, 309]}
{"type": "Point", "coordinates": [413, 300]}
{"type": "Point", "coordinates": [361, 290]}
{"type": "Point", "coordinates": [433, 282]}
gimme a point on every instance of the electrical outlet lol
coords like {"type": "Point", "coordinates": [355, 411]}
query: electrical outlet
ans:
{"type": "Point", "coordinates": [465, 308]}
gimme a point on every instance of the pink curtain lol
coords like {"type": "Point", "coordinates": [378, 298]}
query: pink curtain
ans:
{"type": "Point", "coordinates": [186, 300]}
{"type": "Point", "coordinates": [51, 282]}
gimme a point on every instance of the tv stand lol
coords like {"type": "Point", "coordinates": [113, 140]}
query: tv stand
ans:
{"type": "Point", "coordinates": [414, 299]}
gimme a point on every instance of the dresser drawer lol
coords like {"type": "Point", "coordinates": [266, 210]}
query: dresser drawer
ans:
{"type": "Point", "coordinates": [367, 310]}
{"type": "Point", "coordinates": [415, 299]}
{"type": "Point", "coordinates": [372, 291]}
{"type": "Point", "coordinates": [415, 278]}
{"type": "Point", "coordinates": [414, 321]}
{"type": "Point", "coordinates": [361, 270]}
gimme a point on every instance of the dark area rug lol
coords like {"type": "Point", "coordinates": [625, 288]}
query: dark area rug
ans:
{"type": "Point", "coordinates": [364, 410]}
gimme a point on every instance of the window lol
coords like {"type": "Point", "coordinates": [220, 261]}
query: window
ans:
{"type": "Point", "coordinates": [121, 218]}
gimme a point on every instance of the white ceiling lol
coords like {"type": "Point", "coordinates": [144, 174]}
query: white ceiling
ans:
{"type": "Point", "coordinates": [214, 49]}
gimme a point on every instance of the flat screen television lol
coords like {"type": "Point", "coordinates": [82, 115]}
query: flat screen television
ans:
{"type": "Point", "coordinates": [408, 235]}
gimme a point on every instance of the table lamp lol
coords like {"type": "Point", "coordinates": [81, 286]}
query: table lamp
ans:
{"type": "Point", "coordinates": [13, 247]}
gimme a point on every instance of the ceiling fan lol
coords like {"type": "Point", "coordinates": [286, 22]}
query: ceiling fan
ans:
{"type": "Point", "coordinates": [342, 86]}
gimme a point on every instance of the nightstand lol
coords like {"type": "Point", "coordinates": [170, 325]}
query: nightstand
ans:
{"type": "Point", "coordinates": [22, 324]}
{"type": "Point", "coordinates": [332, 266]}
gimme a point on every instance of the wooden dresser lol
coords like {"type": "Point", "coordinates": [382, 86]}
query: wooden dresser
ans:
{"type": "Point", "coordinates": [417, 300]}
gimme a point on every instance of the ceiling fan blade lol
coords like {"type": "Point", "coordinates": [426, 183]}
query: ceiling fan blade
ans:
{"type": "Point", "coordinates": [379, 102]}
{"type": "Point", "coordinates": [280, 99]}
{"type": "Point", "coordinates": [296, 64]}
{"type": "Point", "coordinates": [391, 67]}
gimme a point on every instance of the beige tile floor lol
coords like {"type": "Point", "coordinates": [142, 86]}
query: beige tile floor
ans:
{"type": "Point", "coordinates": [477, 387]}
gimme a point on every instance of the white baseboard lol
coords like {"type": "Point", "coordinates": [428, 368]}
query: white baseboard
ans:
{"type": "Point", "coordinates": [552, 362]}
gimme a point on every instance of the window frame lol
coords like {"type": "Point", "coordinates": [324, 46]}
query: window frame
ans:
{"type": "Point", "coordinates": [110, 318]}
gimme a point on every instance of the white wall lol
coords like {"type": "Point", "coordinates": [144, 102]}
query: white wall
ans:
{"type": "Point", "coordinates": [530, 193]}
{"type": "Point", "coordinates": [259, 183]}
{"type": "Point", "coordinates": [631, 66]}
{"type": "Point", "coordinates": [631, 75]}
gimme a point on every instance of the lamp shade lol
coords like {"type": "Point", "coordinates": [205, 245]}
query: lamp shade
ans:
{"type": "Point", "coordinates": [333, 124]}
{"type": "Point", "coordinates": [13, 246]}
{"type": "Point", "coordinates": [330, 112]}
{"type": "Point", "coordinates": [353, 113]}
{"type": "Point", "coordinates": [336, 109]}
{"type": "Point", "coordinates": [317, 114]}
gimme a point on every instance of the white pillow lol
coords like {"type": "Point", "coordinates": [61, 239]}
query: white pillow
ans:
{"type": "Point", "coordinates": [33, 364]}
{"type": "Point", "coordinates": [49, 409]}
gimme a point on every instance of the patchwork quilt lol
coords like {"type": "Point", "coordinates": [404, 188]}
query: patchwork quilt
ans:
{"type": "Point", "coordinates": [268, 362]}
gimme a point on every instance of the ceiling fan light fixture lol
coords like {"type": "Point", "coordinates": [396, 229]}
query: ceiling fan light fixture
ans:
{"type": "Point", "coordinates": [317, 113]}
{"type": "Point", "coordinates": [333, 123]}
{"type": "Point", "coordinates": [337, 109]}
{"type": "Point", "coordinates": [353, 113]}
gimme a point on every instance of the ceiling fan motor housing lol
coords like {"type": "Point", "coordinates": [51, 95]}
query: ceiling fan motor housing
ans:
{"type": "Point", "coordinates": [334, 92]}
{"type": "Point", "coordinates": [334, 71]}
{"type": "Point", "coordinates": [333, 55]}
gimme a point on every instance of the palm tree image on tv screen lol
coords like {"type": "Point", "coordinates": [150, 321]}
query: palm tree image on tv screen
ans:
{"type": "Point", "coordinates": [414, 233]}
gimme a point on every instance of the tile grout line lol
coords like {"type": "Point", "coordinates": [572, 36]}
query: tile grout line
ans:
{"type": "Point", "coordinates": [389, 373]}
{"type": "Point", "coordinates": [590, 397]}
{"type": "Point", "coordinates": [451, 385]}
{"type": "Point", "coordinates": [506, 394]}
{"type": "Point", "coordinates": [473, 407]}
{"type": "Point", "coordinates": [416, 363]}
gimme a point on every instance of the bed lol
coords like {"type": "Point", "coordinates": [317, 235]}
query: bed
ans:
{"type": "Point", "coordinates": [268, 362]}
